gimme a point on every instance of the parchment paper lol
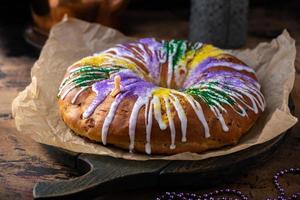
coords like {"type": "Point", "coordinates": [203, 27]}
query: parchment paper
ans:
{"type": "Point", "coordinates": [36, 112]}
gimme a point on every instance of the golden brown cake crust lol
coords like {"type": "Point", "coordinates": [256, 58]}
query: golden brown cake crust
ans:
{"type": "Point", "coordinates": [160, 139]}
{"type": "Point", "coordinates": [72, 115]}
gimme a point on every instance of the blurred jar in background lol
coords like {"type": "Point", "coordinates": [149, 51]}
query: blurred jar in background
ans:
{"type": "Point", "coordinates": [46, 13]}
{"type": "Point", "coordinates": [220, 22]}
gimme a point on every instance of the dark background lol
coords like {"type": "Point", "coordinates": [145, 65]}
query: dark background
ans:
{"type": "Point", "coordinates": [16, 16]}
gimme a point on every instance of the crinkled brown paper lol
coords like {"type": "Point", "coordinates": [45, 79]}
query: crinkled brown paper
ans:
{"type": "Point", "coordinates": [36, 111]}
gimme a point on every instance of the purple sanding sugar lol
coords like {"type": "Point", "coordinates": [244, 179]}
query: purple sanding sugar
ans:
{"type": "Point", "coordinates": [221, 75]}
{"type": "Point", "coordinates": [208, 63]}
{"type": "Point", "coordinates": [131, 85]}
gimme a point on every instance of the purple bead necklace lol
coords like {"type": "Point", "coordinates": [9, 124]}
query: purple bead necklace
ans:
{"type": "Point", "coordinates": [216, 195]}
{"type": "Point", "coordinates": [279, 188]}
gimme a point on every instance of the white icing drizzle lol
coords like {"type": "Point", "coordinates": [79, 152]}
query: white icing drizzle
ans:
{"type": "Point", "coordinates": [231, 65]}
{"type": "Point", "coordinates": [140, 102]}
{"type": "Point", "coordinates": [170, 68]}
{"type": "Point", "coordinates": [157, 113]}
{"type": "Point", "coordinates": [77, 94]}
{"type": "Point", "coordinates": [113, 54]}
{"type": "Point", "coordinates": [246, 90]}
{"type": "Point", "coordinates": [148, 127]}
{"type": "Point", "coordinates": [198, 45]}
{"type": "Point", "coordinates": [152, 60]}
{"type": "Point", "coordinates": [257, 100]}
{"type": "Point", "coordinates": [171, 122]}
{"type": "Point", "coordinates": [199, 112]}
{"type": "Point", "coordinates": [181, 114]}
{"type": "Point", "coordinates": [68, 87]}
{"type": "Point", "coordinates": [66, 91]}
{"type": "Point", "coordinates": [220, 118]}
{"type": "Point", "coordinates": [180, 67]}
{"type": "Point", "coordinates": [162, 56]}
{"type": "Point", "coordinates": [108, 120]}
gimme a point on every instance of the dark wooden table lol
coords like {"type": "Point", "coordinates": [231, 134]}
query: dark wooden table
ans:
{"type": "Point", "coordinates": [23, 162]}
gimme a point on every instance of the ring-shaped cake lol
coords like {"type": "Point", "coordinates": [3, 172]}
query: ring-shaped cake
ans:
{"type": "Point", "coordinates": [161, 97]}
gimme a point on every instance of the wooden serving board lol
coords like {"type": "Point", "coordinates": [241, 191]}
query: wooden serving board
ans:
{"type": "Point", "coordinates": [103, 173]}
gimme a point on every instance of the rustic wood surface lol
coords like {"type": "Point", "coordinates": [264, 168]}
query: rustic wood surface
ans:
{"type": "Point", "coordinates": [23, 162]}
{"type": "Point", "coordinates": [103, 173]}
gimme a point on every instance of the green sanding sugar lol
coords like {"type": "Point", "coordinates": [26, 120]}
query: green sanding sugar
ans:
{"type": "Point", "coordinates": [211, 93]}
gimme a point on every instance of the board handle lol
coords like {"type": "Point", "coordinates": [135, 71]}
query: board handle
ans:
{"type": "Point", "coordinates": [102, 174]}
